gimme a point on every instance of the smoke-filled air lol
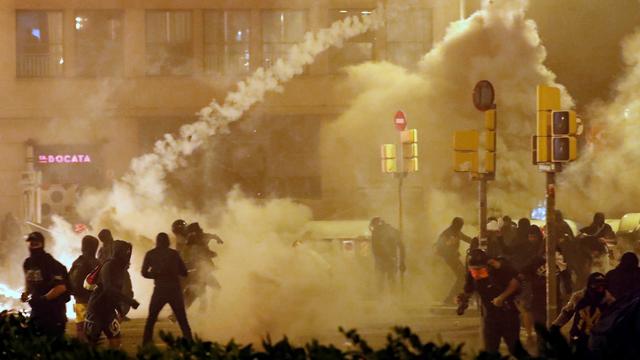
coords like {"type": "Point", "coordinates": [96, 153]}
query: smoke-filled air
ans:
{"type": "Point", "coordinates": [273, 281]}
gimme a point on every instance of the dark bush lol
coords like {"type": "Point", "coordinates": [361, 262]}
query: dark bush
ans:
{"type": "Point", "coordinates": [19, 339]}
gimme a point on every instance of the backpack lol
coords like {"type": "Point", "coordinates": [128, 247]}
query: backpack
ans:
{"type": "Point", "coordinates": [91, 280]}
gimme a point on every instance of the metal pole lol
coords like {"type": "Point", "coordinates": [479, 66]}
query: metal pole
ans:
{"type": "Point", "coordinates": [482, 209]}
{"type": "Point", "coordinates": [552, 298]}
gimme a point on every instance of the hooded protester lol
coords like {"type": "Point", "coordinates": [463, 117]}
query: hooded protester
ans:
{"type": "Point", "coordinates": [447, 247]}
{"type": "Point", "coordinates": [199, 261]}
{"type": "Point", "coordinates": [106, 250]}
{"type": "Point", "coordinates": [495, 240]}
{"type": "Point", "coordinates": [585, 307]}
{"type": "Point", "coordinates": [520, 253]}
{"type": "Point", "coordinates": [496, 283]}
{"type": "Point", "coordinates": [165, 267]}
{"type": "Point", "coordinates": [80, 268]}
{"type": "Point", "coordinates": [508, 230]}
{"type": "Point", "coordinates": [532, 299]}
{"type": "Point", "coordinates": [388, 252]}
{"type": "Point", "coordinates": [598, 228]}
{"type": "Point", "coordinates": [624, 279]}
{"type": "Point", "coordinates": [104, 310]}
{"type": "Point", "coordinates": [179, 230]}
{"type": "Point", "coordinates": [46, 288]}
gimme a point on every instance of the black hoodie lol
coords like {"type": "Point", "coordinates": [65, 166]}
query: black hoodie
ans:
{"type": "Point", "coordinates": [163, 264]}
{"type": "Point", "coordinates": [81, 267]}
{"type": "Point", "coordinates": [106, 298]}
{"type": "Point", "coordinates": [625, 279]}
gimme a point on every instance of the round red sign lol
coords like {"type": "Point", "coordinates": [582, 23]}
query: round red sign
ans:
{"type": "Point", "coordinates": [400, 121]}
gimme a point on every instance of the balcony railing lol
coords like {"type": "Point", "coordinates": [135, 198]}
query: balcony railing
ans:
{"type": "Point", "coordinates": [39, 65]}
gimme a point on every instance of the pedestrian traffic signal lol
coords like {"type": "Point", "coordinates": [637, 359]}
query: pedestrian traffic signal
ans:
{"type": "Point", "coordinates": [565, 149]}
{"type": "Point", "coordinates": [564, 123]}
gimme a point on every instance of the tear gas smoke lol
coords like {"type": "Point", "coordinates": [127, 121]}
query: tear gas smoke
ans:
{"type": "Point", "coordinates": [605, 176]}
{"type": "Point", "coordinates": [497, 44]}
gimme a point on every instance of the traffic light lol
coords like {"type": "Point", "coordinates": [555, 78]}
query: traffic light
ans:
{"type": "Point", "coordinates": [466, 140]}
{"type": "Point", "coordinates": [465, 161]}
{"type": "Point", "coordinates": [409, 139]}
{"type": "Point", "coordinates": [465, 150]}
{"type": "Point", "coordinates": [564, 123]}
{"type": "Point", "coordinates": [565, 149]}
{"type": "Point", "coordinates": [388, 158]}
{"type": "Point", "coordinates": [555, 139]}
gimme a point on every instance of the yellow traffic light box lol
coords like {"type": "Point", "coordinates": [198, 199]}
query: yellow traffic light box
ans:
{"type": "Point", "coordinates": [388, 158]}
{"type": "Point", "coordinates": [466, 140]}
{"type": "Point", "coordinates": [465, 161]}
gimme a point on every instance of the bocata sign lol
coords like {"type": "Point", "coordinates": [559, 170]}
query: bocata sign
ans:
{"type": "Point", "coordinates": [63, 159]}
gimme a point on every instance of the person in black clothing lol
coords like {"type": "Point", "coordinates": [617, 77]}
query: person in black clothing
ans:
{"type": "Point", "coordinates": [388, 251]}
{"type": "Point", "coordinates": [80, 268]}
{"type": "Point", "coordinates": [107, 245]}
{"type": "Point", "coordinates": [179, 229]}
{"type": "Point", "coordinates": [165, 267]}
{"type": "Point", "coordinates": [624, 279]}
{"type": "Point", "coordinates": [198, 258]}
{"type": "Point", "coordinates": [497, 284]}
{"type": "Point", "coordinates": [45, 288]}
{"type": "Point", "coordinates": [447, 247]}
{"type": "Point", "coordinates": [104, 311]}
{"type": "Point", "coordinates": [585, 307]}
{"type": "Point", "coordinates": [104, 254]}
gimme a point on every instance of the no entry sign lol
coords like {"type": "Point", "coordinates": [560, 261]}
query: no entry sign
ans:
{"type": "Point", "coordinates": [400, 121]}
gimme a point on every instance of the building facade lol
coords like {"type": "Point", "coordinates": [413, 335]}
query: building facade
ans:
{"type": "Point", "coordinates": [91, 84]}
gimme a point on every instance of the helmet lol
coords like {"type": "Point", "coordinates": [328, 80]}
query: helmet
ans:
{"type": "Point", "coordinates": [178, 226]}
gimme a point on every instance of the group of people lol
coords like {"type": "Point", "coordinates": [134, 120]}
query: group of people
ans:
{"type": "Point", "coordinates": [509, 272]}
{"type": "Point", "coordinates": [100, 284]}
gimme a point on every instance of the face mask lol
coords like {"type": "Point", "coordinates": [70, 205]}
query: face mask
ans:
{"type": "Point", "coordinates": [479, 273]}
{"type": "Point", "coordinates": [36, 251]}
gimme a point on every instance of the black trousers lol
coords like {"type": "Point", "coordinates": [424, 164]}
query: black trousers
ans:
{"type": "Point", "coordinates": [496, 328]}
{"type": "Point", "coordinates": [163, 295]}
{"type": "Point", "coordinates": [49, 321]}
{"type": "Point", "coordinates": [459, 273]}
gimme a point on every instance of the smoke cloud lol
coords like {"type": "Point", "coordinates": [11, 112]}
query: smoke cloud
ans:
{"type": "Point", "coordinates": [607, 167]}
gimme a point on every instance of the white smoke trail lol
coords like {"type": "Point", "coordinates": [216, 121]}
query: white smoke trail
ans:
{"type": "Point", "coordinates": [148, 171]}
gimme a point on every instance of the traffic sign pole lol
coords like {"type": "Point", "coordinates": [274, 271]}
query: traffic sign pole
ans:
{"type": "Point", "coordinates": [552, 290]}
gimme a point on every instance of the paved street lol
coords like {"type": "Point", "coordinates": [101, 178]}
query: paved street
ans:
{"type": "Point", "coordinates": [431, 324]}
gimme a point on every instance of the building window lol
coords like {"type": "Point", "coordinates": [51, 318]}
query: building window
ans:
{"type": "Point", "coordinates": [355, 50]}
{"type": "Point", "coordinates": [409, 37]}
{"type": "Point", "coordinates": [39, 43]}
{"type": "Point", "coordinates": [169, 48]}
{"type": "Point", "coordinates": [280, 30]}
{"type": "Point", "coordinates": [99, 47]}
{"type": "Point", "coordinates": [226, 41]}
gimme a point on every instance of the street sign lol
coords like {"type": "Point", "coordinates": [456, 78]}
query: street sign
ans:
{"type": "Point", "coordinates": [483, 95]}
{"type": "Point", "coordinates": [400, 121]}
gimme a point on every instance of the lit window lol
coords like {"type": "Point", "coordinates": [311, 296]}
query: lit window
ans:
{"type": "Point", "coordinates": [226, 36]}
{"type": "Point", "coordinates": [280, 30]}
{"type": "Point", "coordinates": [355, 50]}
{"type": "Point", "coordinates": [39, 51]}
{"type": "Point", "coordinates": [99, 46]}
{"type": "Point", "coordinates": [409, 37]}
{"type": "Point", "coordinates": [169, 49]}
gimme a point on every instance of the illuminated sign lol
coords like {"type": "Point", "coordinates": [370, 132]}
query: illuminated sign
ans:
{"type": "Point", "coordinates": [63, 159]}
